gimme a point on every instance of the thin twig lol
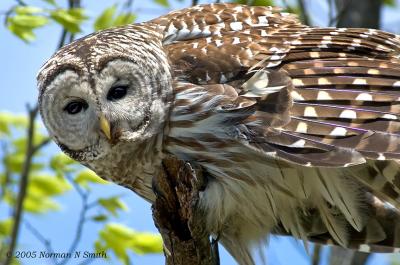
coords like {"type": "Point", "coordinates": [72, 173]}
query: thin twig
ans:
{"type": "Point", "coordinates": [46, 242]}
{"type": "Point", "coordinates": [61, 42]}
{"type": "Point", "coordinates": [73, 4]}
{"type": "Point", "coordinates": [316, 254]}
{"type": "Point", "coordinates": [86, 261]}
{"type": "Point", "coordinates": [92, 204]}
{"type": "Point", "coordinates": [7, 14]}
{"type": "Point", "coordinates": [41, 145]}
{"type": "Point", "coordinates": [360, 258]}
{"type": "Point", "coordinates": [286, 4]}
{"type": "Point", "coordinates": [331, 12]}
{"type": "Point", "coordinates": [128, 5]}
{"type": "Point", "coordinates": [339, 14]}
{"type": "Point", "coordinates": [21, 3]}
{"type": "Point", "coordinates": [304, 14]}
{"type": "Point", "coordinates": [81, 222]}
{"type": "Point", "coordinates": [23, 184]}
{"type": "Point", "coordinates": [215, 251]}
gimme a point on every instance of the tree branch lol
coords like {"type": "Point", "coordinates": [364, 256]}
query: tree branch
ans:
{"type": "Point", "coordinates": [41, 145]}
{"type": "Point", "coordinates": [304, 14]}
{"type": "Point", "coordinates": [30, 151]}
{"type": "Point", "coordinates": [286, 4]}
{"type": "Point", "coordinates": [316, 255]}
{"type": "Point", "coordinates": [340, 12]}
{"type": "Point", "coordinates": [82, 219]}
{"type": "Point", "coordinates": [360, 258]}
{"type": "Point", "coordinates": [20, 2]}
{"type": "Point", "coordinates": [354, 11]}
{"type": "Point", "coordinates": [36, 233]}
{"type": "Point", "coordinates": [175, 213]}
{"type": "Point", "coordinates": [23, 184]}
{"type": "Point", "coordinates": [63, 38]}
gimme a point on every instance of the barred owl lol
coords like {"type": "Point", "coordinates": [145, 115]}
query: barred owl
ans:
{"type": "Point", "coordinates": [296, 127]}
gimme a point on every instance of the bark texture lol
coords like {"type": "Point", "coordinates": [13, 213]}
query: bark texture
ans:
{"type": "Point", "coordinates": [177, 216]}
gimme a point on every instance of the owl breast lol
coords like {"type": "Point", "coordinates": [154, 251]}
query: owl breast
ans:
{"type": "Point", "coordinates": [131, 165]}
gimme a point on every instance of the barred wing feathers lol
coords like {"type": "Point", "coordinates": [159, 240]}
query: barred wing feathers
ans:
{"type": "Point", "coordinates": [305, 98]}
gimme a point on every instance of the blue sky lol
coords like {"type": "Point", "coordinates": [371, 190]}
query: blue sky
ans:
{"type": "Point", "coordinates": [20, 63]}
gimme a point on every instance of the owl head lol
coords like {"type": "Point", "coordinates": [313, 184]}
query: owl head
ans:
{"type": "Point", "coordinates": [104, 91]}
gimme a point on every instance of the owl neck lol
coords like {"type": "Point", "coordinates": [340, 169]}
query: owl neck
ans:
{"type": "Point", "coordinates": [132, 165]}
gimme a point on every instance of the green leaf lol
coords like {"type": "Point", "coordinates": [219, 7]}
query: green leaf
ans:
{"type": "Point", "coordinates": [293, 9]}
{"type": "Point", "coordinates": [262, 3]}
{"type": "Point", "coordinates": [10, 197]}
{"type": "Point", "coordinates": [19, 121]}
{"type": "Point", "coordinates": [105, 19]}
{"type": "Point", "coordinates": [6, 227]}
{"type": "Point", "coordinates": [15, 261]}
{"type": "Point", "coordinates": [164, 3]}
{"type": "Point", "coordinates": [88, 176]}
{"type": "Point", "coordinates": [20, 144]}
{"type": "Point", "coordinates": [3, 180]}
{"type": "Point", "coordinates": [41, 189]}
{"type": "Point", "coordinates": [47, 185]}
{"type": "Point", "coordinates": [100, 218]}
{"type": "Point", "coordinates": [62, 163]}
{"type": "Point", "coordinates": [78, 13]}
{"type": "Point", "coordinates": [145, 243]}
{"type": "Point", "coordinates": [37, 204]}
{"type": "Point", "coordinates": [70, 19]}
{"type": "Point", "coordinates": [391, 3]}
{"type": "Point", "coordinates": [51, 2]}
{"type": "Point", "coordinates": [124, 19]}
{"type": "Point", "coordinates": [28, 21]}
{"type": "Point", "coordinates": [8, 120]}
{"type": "Point", "coordinates": [4, 129]}
{"type": "Point", "coordinates": [14, 162]}
{"type": "Point", "coordinates": [242, 2]}
{"type": "Point", "coordinates": [113, 204]}
{"type": "Point", "coordinates": [28, 10]}
{"type": "Point", "coordinates": [120, 239]}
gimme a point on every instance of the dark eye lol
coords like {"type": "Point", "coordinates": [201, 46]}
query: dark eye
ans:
{"type": "Point", "coordinates": [117, 92]}
{"type": "Point", "coordinates": [75, 107]}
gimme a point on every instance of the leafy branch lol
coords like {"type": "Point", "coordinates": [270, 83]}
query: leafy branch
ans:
{"type": "Point", "coordinates": [30, 151]}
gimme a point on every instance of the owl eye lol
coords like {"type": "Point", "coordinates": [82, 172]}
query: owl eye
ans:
{"type": "Point", "coordinates": [117, 92]}
{"type": "Point", "coordinates": [75, 107]}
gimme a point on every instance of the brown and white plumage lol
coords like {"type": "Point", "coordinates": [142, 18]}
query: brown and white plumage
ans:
{"type": "Point", "coordinates": [297, 127]}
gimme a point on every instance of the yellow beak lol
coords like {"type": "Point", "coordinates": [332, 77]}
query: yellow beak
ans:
{"type": "Point", "coordinates": [105, 126]}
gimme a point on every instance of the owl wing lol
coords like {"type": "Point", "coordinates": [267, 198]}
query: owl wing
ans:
{"type": "Point", "coordinates": [315, 97]}
{"type": "Point", "coordinates": [336, 87]}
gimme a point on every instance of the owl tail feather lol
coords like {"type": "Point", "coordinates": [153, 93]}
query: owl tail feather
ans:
{"type": "Point", "coordinates": [381, 232]}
